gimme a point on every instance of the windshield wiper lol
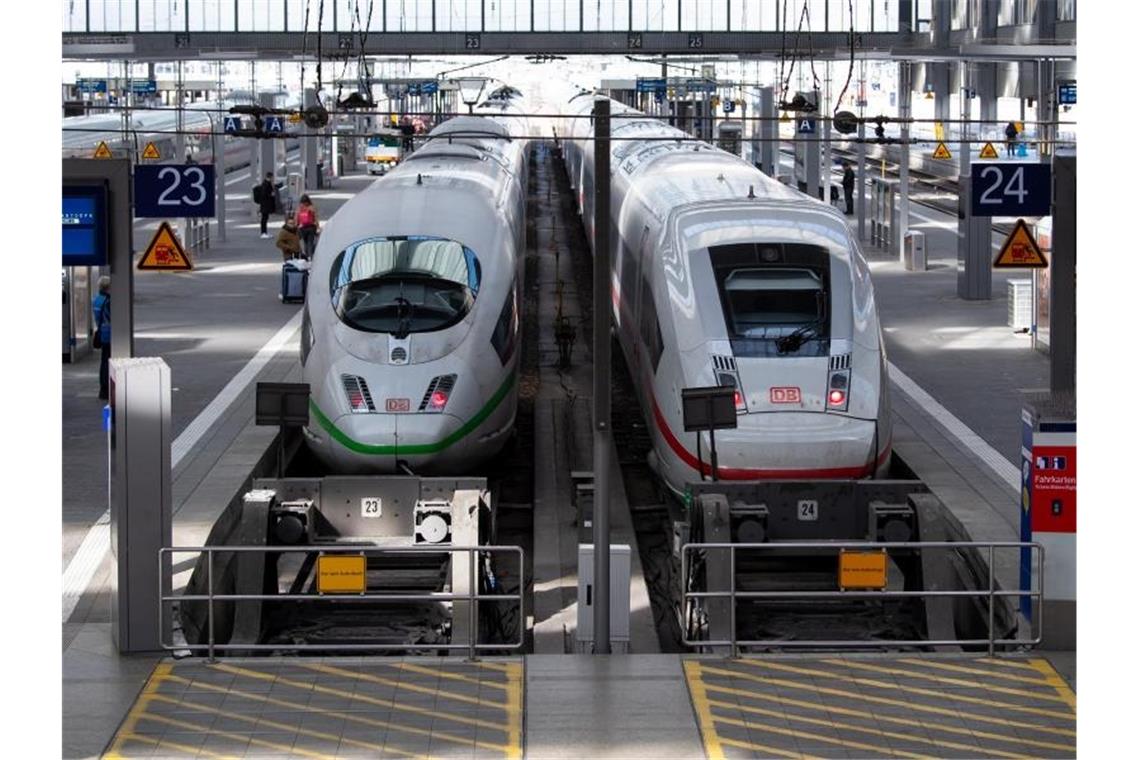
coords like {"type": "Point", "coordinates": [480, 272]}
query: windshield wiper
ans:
{"type": "Point", "coordinates": [404, 311]}
{"type": "Point", "coordinates": [793, 340]}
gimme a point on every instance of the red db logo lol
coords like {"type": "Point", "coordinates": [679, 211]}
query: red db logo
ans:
{"type": "Point", "coordinates": [397, 405]}
{"type": "Point", "coordinates": [785, 395]}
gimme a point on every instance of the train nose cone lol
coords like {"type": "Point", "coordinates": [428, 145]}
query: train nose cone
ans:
{"type": "Point", "coordinates": [810, 445]}
{"type": "Point", "coordinates": [428, 440]}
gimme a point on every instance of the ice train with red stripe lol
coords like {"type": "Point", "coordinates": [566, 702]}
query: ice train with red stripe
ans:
{"type": "Point", "coordinates": [721, 275]}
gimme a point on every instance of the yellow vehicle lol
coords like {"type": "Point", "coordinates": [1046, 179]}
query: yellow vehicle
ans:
{"type": "Point", "coordinates": [384, 151]}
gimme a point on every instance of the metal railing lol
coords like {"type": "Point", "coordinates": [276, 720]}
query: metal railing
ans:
{"type": "Point", "coordinates": [471, 597]}
{"type": "Point", "coordinates": [197, 234]}
{"type": "Point", "coordinates": [991, 592]}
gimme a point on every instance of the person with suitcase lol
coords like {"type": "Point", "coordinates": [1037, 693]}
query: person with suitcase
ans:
{"type": "Point", "coordinates": [288, 241]}
{"type": "Point", "coordinates": [309, 225]}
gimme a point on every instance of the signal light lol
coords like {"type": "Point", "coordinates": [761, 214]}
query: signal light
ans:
{"type": "Point", "coordinates": [437, 401]}
{"type": "Point", "coordinates": [837, 387]}
{"type": "Point", "coordinates": [836, 398]}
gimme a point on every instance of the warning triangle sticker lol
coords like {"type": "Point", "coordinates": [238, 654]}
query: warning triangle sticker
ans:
{"type": "Point", "coordinates": [165, 252]}
{"type": "Point", "coordinates": [988, 151]}
{"type": "Point", "coordinates": [1020, 250]}
{"type": "Point", "coordinates": [102, 151]}
{"type": "Point", "coordinates": [942, 152]}
{"type": "Point", "coordinates": [151, 152]}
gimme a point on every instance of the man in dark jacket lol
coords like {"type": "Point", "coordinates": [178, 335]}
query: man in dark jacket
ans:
{"type": "Point", "coordinates": [265, 202]}
{"type": "Point", "coordinates": [101, 308]}
{"type": "Point", "coordinates": [849, 187]}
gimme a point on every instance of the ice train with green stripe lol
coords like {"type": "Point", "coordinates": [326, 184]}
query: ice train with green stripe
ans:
{"type": "Point", "coordinates": [410, 335]}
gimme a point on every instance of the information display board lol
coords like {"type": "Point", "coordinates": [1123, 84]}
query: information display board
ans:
{"type": "Point", "coordinates": [85, 225]}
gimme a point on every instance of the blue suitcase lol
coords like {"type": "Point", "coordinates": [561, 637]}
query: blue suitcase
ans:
{"type": "Point", "coordinates": [293, 283]}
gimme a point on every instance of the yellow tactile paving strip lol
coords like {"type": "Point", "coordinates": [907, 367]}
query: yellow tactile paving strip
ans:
{"type": "Point", "coordinates": [327, 708]}
{"type": "Point", "coordinates": [882, 707]}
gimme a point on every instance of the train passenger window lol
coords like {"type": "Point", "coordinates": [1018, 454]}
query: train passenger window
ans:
{"type": "Point", "coordinates": [507, 328]}
{"type": "Point", "coordinates": [402, 285]}
{"type": "Point", "coordinates": [650, 325]}
{"type": "Point", "coordinates": [775, 298]}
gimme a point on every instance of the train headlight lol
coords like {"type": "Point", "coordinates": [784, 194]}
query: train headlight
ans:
{"type": "Point", "coordinates": [727, 379]}
{"type": "Point", "coordinates": [359, 399]}
{"type": "Point", "coordinates": [838, 385]}
{"type": "Point", "coordinates": [438, 393]}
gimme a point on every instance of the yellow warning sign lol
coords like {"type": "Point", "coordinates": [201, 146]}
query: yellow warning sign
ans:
{"type": "Point", "coordinates": [862, 570]}
{"type": "Point", "coordinates": [988, 151]}
{"type": "Point", "coordinates": [295, 118]}
{"type": "Point", "coordinates": [1020, 250]}
{"type": "Point", "coordinates": [341, 573]}
{"type": "Point", "coordinates": [165, 252]}
{"type": "Point", "coordinates": [939, 131]}
{"type": "Point", "coordinates": [102, 151]}
{"type": "Point", "coordinates": [942, 152]}
{"type": "Point", "coordinates": [150, 151]}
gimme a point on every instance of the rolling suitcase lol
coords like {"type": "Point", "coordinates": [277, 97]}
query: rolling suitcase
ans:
{"type": "Point", "coordinates": [293, 282]}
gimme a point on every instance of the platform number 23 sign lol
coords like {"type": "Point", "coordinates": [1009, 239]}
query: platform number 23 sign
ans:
{"type": "Point", "coordinates": [173, 190]}
{"type": "Point", "coordinates": [370, 507]}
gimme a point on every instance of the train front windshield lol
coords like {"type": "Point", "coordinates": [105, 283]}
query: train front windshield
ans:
{"type": "Point", "coordinates": [404, 285]}
{"type": "Point", "coordinates": [774, 297]}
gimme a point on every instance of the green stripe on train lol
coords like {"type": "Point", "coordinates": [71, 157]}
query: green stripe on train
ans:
{"type": "Point", "coordinates": [340, 437]}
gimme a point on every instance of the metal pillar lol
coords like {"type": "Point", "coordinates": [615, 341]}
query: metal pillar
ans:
{"type": "Point", "coordinates": [267, 161]}
{"type": "Point", "coordinates": [825, 125]}
{"type": "Point", "coordinates": [769, 132]}
{"type": "Point", "coordinates": [975, 276]}
{"type": "Point", "coordinates": [904, 99]}
{"type": "Point", "coordinates": [861, 167]}
{"type": "Point", "coordinates": [219, 150]}
{"type": "Point", "coordinates": [602, 318]}
{"type": "Point", "coordinates": [309, 147]}
{"type": "Point", "coordinates": [1063, 277]}
{"type": "Point", "coordinates": [807, 149]}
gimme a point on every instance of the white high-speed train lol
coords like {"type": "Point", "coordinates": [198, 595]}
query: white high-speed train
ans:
{"type": "Point", "coordinates": [723, 276]}
{"type": "Point", "coordinates": [82, 135]}
{"type": "Point", "coordinates": [410, 335]}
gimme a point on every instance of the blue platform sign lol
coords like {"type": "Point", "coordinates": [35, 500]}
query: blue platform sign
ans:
{"type": "Point", "coordinates": [274, 125]}
{"type": "Point", "coordinates": [805, 126]}
{"type": "Point", "coordinates": [1067, 94]}
{"type": "Point", "coordinates": [84, 225]}
{"type": "Point", "coordinates": [231, 124]}
{"type": "Point", "coordinates": [173, 190]}
{"type": "Point", "coordinates": [426, 87]}
{"type": "Point", "coordinates": [91, 85]}
{"type": "Point", "coordinates": [144, 86]}
{"type": "Point", "coordinates": [1011, 189]}
{"type": "Point", "coordinates": [651, 84]}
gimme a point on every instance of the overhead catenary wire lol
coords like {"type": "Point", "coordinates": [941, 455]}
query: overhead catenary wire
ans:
{"type": "Point", "coordinates": [851, 64]}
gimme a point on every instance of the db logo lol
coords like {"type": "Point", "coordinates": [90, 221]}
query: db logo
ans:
{"type": "Point", "coordinates": [397, 405]}
{"type": "Point", "coordinates": [786, 395]}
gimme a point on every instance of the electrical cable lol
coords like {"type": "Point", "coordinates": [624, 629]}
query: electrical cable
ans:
{"type": "Point", "coordinates": [851, 65]}
{"type": "Point", "coordinates": [304, 50]}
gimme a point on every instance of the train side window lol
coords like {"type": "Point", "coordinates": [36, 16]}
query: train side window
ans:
{"type": "Point", "coordinates": [650, 325]}
{"type": "Point", "coordinates": [506, 331]}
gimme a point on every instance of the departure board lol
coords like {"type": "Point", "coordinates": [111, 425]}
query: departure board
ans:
{"type": "Point", "coordinates": [84, 225]}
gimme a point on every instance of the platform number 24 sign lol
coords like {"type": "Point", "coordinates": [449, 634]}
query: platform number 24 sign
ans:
{"type": "Point", "coordinates": [807, 510]}
{"type": "Point", "coordinates": [1011, 189]}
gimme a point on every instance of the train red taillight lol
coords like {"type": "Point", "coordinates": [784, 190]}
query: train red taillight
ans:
{"type": "Point", "coordinates": [838, 384]}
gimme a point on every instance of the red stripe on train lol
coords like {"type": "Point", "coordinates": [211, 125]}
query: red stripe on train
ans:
{"type": "Point", "coordinates": [735, 473]}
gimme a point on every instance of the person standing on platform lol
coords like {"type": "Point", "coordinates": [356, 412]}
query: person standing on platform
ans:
{"type": "Point", "coordinates": [101, 307]}
{"type": "Point", "coordinates": [265, 202]}
{"type": "Point", "coordinates": [1010, 138]}
{"type": "Point", "coordinates": [309, 224]}
{"type": "Point", "coordinates": [287, 239]}
{"type": "Point", "coordinates": [849, 187]}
